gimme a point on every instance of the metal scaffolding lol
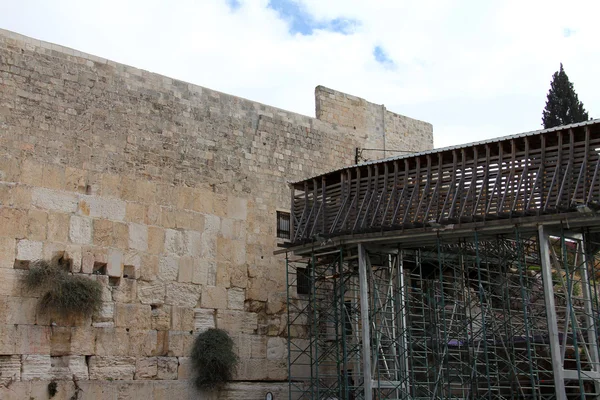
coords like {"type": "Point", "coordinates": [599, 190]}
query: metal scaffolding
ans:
{"type": "Point", "coordinates": [505, 316]}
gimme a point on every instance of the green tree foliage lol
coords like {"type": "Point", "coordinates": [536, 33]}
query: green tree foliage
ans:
{"type": "Point", "coordinates": [213, 359]}
{"type": "Point", "coordinates": [562, 106]}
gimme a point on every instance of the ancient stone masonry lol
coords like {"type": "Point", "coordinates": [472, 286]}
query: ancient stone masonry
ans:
{"type": "Point", "coordinates": [166, 193]}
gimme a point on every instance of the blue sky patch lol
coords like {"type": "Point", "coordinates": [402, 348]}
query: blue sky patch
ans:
{"type": "Point", "coordinates": [302, 22]}
{"type": "Point", "coordinates": [568, 32]}
{"type": "Point", "coordinates": [381, 57]}
{"type": "Point", "coordinates": [233, 4]}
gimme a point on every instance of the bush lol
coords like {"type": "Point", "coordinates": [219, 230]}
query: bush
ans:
{"type": "Point", "coordinates": [64, 292]}
{"type": "Point", "coordinates": [213, 361]}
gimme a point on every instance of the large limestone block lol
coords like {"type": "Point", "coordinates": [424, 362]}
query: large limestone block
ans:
{"type": "Point", "coordinates": [133, 316]}
{"type": "Point", "coordinates": [180, 343]}
{"type": "Point", "coordinates": [236, 298]}
{"type": "Point", "coordinates": [136, 391]}
{"type": "Point", "coordinates": [146, 368]}
{"type": "Point", "coordinates": [161, 317]}
{"type": "Point", "coordinates": [69, 367]}
{"type": "Point", "coordinates": [138, 237]}
{"type": "Point", "coordinates": [182, 318]}
{"type": "Point", "coordinates": [249, 390]}
{"type": "Point", "coordinates": [60, 341]}
{"type": "Point", "coordinates": [168, 268]}
{"type": "Point", "coordinates": [184, 371]}
{"type": "Point", "coordinates": [10, 369]}
{"type": "Point", "coordinates": [126, 292]}
{"type": "Point", "coordinates": [203, 319]}
{"type": "Point", "coordinates": [151, 292]}
{"type": "Point", "coordinates": [48, 199]}
{"type": "Point", "coordinates": [114, 266]}
{"type": "Point", "coordinates": [33, 339]}
{"type": "Point", "coordinates": [29, 250]}
{"type": "Point", "coordinates": [18, 310]}
{"type": "Point", "coordinates": [276, 348]}
{"type": "Point", "coordinates": [112, 341]}
{"type": "Point", "coordinates": [102, 207]}
{"type": "Point", "coordinates": [143, 342]}
{"type": "Point", "coordinates": [83, 340]}
{"type": "Point", "coordinates": [156, 239]}
{"type": "Point", "coordinates": [237, 208]}
{"type": "Point", "coordinates": [58, 227]}
{"type": "Point", "coordinates": [167, 367]}
{"type": "Point", "coordinates": [260, 369]}
{"type": "Point", "coordinates": [214, 297]}
{"type": "Point", "coordinates": [112, 368]}
{"type": "Point", "coordinates": [237, 321]}
{"type": "Point", "coordinates": [183, 294]}
{"type": "Point", "coordinates": [36, 367]}
{"type": "Point", "coordinates": [13, 222]}
{"type": "Point", "coordinates": [80, 230]}
{"type": "Point", "coordinates": [7, 252]}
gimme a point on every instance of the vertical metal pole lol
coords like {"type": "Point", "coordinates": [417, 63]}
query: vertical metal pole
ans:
{"type": "Point", "coordinates": [364, 316]}
{"type": "Point", "coordinates": [590, 325]}
{"type": "Point", "coordinates": [403, 306]}
{"type": "Point", "coordinates": [557, 364]}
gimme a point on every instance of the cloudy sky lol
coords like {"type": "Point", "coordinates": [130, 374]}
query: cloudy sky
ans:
{"type": "Point", "coordinates": [475, 69]}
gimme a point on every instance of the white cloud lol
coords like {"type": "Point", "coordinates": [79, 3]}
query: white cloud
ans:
{"type": "Point", "coordinates": [475, 69]}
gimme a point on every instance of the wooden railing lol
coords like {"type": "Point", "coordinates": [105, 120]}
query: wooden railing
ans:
{"type": "Point", "coordinates": [544, 172]}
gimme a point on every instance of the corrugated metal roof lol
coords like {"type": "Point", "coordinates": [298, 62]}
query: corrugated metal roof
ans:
{"type": "Point", "coordinates": [459, 146]}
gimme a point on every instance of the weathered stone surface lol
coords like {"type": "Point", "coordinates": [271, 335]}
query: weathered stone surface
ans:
{"type": "Point", "coordinates": [236, 298]}
{"type": "Point", "coordinates": [151, 292]}
{"type": "Point", "coordinates": [138, 237]}
{"type": "Point", "coordinates": [184, 371]}
{"type": "Point", "coordinates": [214, 297]}
{"type": "Point", "coordinates": [113, 368]}
{"type": "Point", "coordinates": [183, 294]}
{"type": "Point", "coordinates": [29, 250]}
{"type": "Point", "coordinates": [161, 318]}
{"type": "Point", "coordinates": [54, 200]}
{"type": "Point", "coordinates": [11, 282]}
{"type": "Point", "coordinates": [18, 310]}
{"type": "Point", "coordinates": [168, 268]}
{"type": "Point", "coordinates": [101, 207]}
{"type": "Point", "coordinates": [68, 368]}
{"type": "Point", "coordinates": [126, 292]}
{"type": "Point", "coordinates": [146, 368]}
{"type": "Point", "coordinates": [33, 339]}
{"type": "Point", "coordinates": [60, 341]}
{"type": "Point", "coordinates": [143, 342]}
{"type": "Point", "coordinates": [114, 266]}
{"type": "Point", "coordinates": [10, 369]}
{"type": "Point", "coordinates": [237, 321]}
{"type": "Point", "coordinates": [203, 319]}
{"type": "Point", "coordinates": [111, 341]}
{"type": "Point", "coordinates": [80, 230]}
{"type": "Point", "coordinates": [105, 313]}
{"type": "Point", "coordinates": [182, 318]}
{"type": "Point", "coordinates": [35, 366]}
{"type": "Point", "coordinates": [7, 252]}
{"type": "Point", "coordinates": [132, 316]}
{"type": "Point", "coordinates": [167, 367]}
{"type": "Point", "coordinates": [276, 348]}
{"type": "Point", "coordinates": [83, 340]}
{"type": "Point", "coordinates": [58, 227]}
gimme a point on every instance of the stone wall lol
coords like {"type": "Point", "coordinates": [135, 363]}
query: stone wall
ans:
{"type": "Point", "coordinates": [376, 127]}
{"type": "Point", "coordinates": [164, 192]}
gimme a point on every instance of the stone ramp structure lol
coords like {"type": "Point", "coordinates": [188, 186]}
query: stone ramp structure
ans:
{"type": "Point", "coordinates": [167, 194]}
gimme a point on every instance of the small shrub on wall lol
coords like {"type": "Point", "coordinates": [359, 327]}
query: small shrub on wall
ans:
{"type": "Point", "coordinates": [64, 292]}
{"type": "Point", "coordinates": [213, 360]}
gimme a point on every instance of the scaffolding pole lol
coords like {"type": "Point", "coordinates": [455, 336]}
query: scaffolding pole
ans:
{"type": "Point", "coordinates": [364, 315]}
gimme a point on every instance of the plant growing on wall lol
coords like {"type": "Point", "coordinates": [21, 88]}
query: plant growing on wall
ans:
{"type": "Point", "coordinates": [64, 292]}
{"type": "Point", "coordinates": [213, 360]}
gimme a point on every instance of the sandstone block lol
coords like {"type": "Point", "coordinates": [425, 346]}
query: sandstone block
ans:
{"type": "Point", "coordinates": [146, 368]}
{"type": "Point", "coordinates": [182, 318]}
{"type": "Point", "coordinates": [8, 339]}
{"type": "Point", "coordinates": [180, 343]}
{"type": "Point", "coordinates": [200, 270]}
{"type": "Point", "coordinates": [258, 346]}
{"type": "Point", "coordinates": [135, 212]}
{"type": "Point", "coordinates": [183, 294]}
{"type": "Point", "coordinates": [156, 239]}
{"type": "Point", "coordinates": [58, 227]}
{"type": "Point", "coordinates": [80, 230]}
{"type": "Point", "coordinates": [33, 339]}
{"type": "Point", "coordinates": [36, 367]}
{"type": "Point", "coordinates": [53, 177]}
{"type": "Point", "coordinates": [28, 250]}
{"type": "Point", "coordinates": [103, 232]}
{"type": "Point", "coordinates": [238, 276]}
{"type": "Point", "coordinates": [149, 268]}
{"type": "Point", "coordinates": [132, 315]}
{"type": "Point", "coordinates": [167, 367]}
{"type": "Point", "coordinates": [10, 369]}
{"type": "Point", "coordinates": [7, 252]}
{"type": "Point", "coordinates": [31, 173]}
{"type": "Point", "coordinates": [138, 237]}
{"type": "Point", "coordinates": [75, 180]}
{"type": "Point", "coordinates": [37, 221]}
{"type": "Point", "coordinates": [54, 200]}
{"type": "Point", "coordinates": [83, 340]}
{"type": "Point", "coordinates": [236, 298]}
{"type": "Point", "coordinates": [105, 313]}
{"type": "Point", "coordinates": [13, 222]}
{"type": "Point", "coordinates": [111, 185]}
{"type": "Point", "coordinates": [18, 310]}
{"type": "Point", "coordinates": [203, 319]}
{"type": "Point", "coordinates": [111, 341]}
{"type": "Point", "coordinates": [214, 297]}
{"type": "Point", "coordinates": [121, 235]}
{"type": "Point", "coordinates": [151, 292]}
{"type": "Point", "coordinates": [142, 342]}
{"type": "Point", "coordinates": [175, 242]}
{"type": "Point", "coordinates": [60, 341]}
{"type": "Point", "coordinates": [112, 367]}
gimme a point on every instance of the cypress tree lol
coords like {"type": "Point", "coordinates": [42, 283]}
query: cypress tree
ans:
{"type": "Point", "coordinates": [562, 106]}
